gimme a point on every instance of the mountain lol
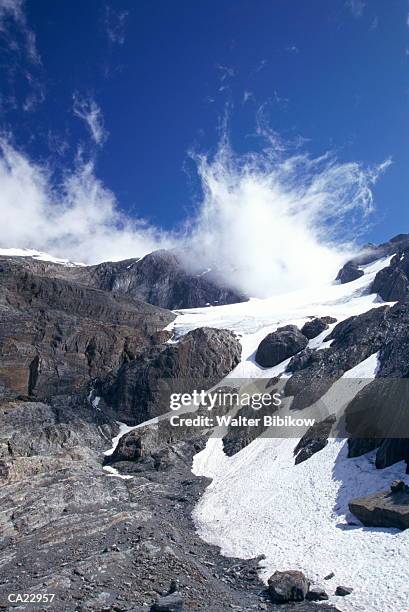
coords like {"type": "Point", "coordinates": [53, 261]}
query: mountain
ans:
{"type": "Point", "coordinates": [162, 278]}
{"type": "Point", "coordinates": [108, 505]}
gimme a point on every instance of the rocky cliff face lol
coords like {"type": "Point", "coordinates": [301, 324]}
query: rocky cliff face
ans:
{"type": "Point", "coordinates": [141, 389]}
{"type": "Point", "coordinates": [56, 335]}
{"type": "Point", "coordinates": [162, 278]}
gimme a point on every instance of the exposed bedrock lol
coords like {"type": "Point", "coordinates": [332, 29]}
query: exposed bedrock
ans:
{"type": "Point", "coordinates": [369, 253]}
{"type": "Point", "coordinates": [165, 278]}
{"type": "Point", "coordinates": [141, 389]}
{"type": "Point", "coordinates": [392, 283]}
{"type": "Point", "coordinates": [56, 336]}
{"type": "Point", "coordinates": [353, 340]}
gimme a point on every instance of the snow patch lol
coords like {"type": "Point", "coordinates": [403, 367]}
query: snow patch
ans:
{"type": "Point", "coordinates": [111, 471]}
{"type": "Point", "coordinates": [39, 255]}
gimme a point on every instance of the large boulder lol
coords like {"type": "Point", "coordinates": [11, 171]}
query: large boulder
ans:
{"type": "Point", "coordinates": [349, 272]}
{"type": "Point", "coordinates": [312, 329]}
{"type": "Point", "coordinates": [168, 603]}
{"type": "Point", "coordinates": [280, 345]}
{"type": "Point", "coordinates": [287, 586]}
{"type": "Point", "coordinates": [384, 509]}
{"type": "Point", "coordinates": [142, 387]}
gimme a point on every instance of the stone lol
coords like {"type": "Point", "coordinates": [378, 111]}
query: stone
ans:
{"type": "Point", "coordinates": [312, 329]}
{"type": "Point", "coordinates": [342, 591]}
{"type": "Point", "coordinates": [383, 509]}
{"type": "Point", "coordinates": [168, 603]}
{"type": "Point", "coordinates": [287, 586]}
{"type": "Point", "coordinates": [398, 486]}
{"type": "Point", "coordinates": [316, 594]}
{"type": "Point", "coordinates": [349, 272]}
{"type": "Point", "coordinates": [314, 439]}
{"type": "Point", "coordinates": [58, 335]}
{"type": "Point", "coordinates": [280, 345]}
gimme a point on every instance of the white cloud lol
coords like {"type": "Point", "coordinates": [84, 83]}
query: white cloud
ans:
{"type": "Point", "coordinates": [89, 111]}
{"type": "Point", "coordinates": [356, 7]}
{"type": "Point", "coordinates": [272, 220]}
{"type": "Point", "coordinates": [292, 49]}
{"type": "Point", "coordinates": [279, 222]}
{"type": "Point", "coordinates": [79, 220]}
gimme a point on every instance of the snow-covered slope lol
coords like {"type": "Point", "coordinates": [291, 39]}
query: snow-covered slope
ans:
{"type": "Point", "coordinates": [37, 255]}
{"type": "Point", "coordinates": [259, 502]}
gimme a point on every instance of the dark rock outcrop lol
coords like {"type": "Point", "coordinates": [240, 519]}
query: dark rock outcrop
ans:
{"type": "Point", "coordinates": [392, 283]}
{"type": "Point", "coordinates": [370, 253]}
{"type": "Point", "coordinates": [288, 586]}
{"type": "Point", "coordinates": [314, 440]}
{"type": "Point", "coordinates": [349, 272]}
{"type": "Point", "coordinates": [353, 340]}
{"type": "Point", "coordinates": [342, 591]}
{"type": "Point", "coordinates": [142, 387]}
{"type": "Point", "coordinates": [280, 345]}
{"type": "Point", "coordinates": [385, 509]}
{"type": "Point", "coordinates": [162, 278]}
{"type": "Point", "coordinates": [303, 359]}
{"type": "Point", "coordinates": [316, 326]}
{"type": "Point", "coordinates": [238, 437]}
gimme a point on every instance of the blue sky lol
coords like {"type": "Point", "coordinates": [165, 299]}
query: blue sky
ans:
{"type": "Point", "coordinates": [136, 85]}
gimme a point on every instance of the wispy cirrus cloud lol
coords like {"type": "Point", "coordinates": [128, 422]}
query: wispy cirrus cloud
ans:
{"type": "Point", "coordinates": [115, 25]}
{"type": "Point", "coordinates": [24, 87]}
{"type": "Point", "coordinates": [12, 11]}
{"type": "Point", "coordinates": [356, 7]}
{"type": "Point", "coordinates": [247, 95]}
{"type": "Point", "coordinates": [87, 109]}
{"type": "Point", "coordinates": [79, 216]}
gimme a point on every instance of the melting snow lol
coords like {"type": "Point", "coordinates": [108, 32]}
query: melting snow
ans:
{"type": "Point", "coordinates": [259, 502]}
